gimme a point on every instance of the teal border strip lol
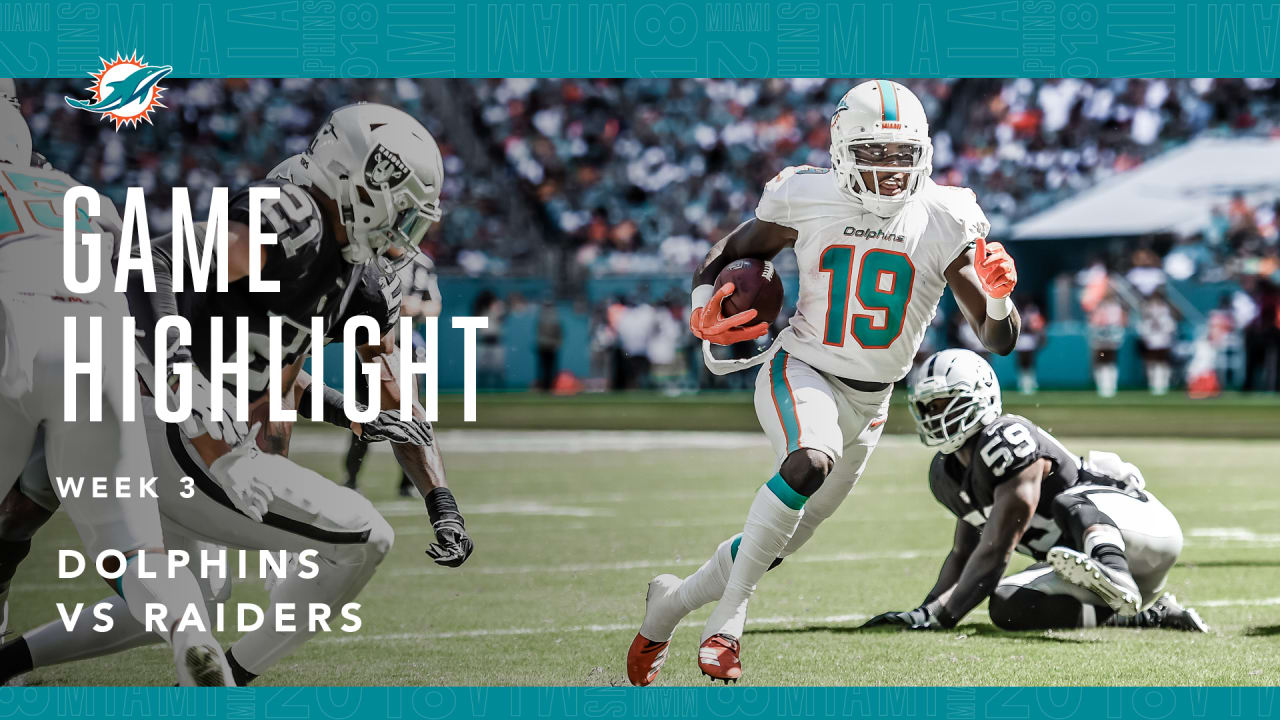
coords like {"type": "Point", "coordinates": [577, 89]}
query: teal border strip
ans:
{"type": "Point", "coordinates": [349, 38]}
{"type": "Point", "coordinates": [652, 702]}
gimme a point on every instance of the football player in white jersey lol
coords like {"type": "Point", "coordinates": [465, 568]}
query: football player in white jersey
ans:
{"type": "Point", "coordinates": [876, 241]}
{"type": "Point", "coordinates": [34, 300]}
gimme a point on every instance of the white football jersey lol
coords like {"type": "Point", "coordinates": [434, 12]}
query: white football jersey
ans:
{"type": "Point", "coordinates": [31, 213]}
{"type": "Point", "coordinates": [869, 286]}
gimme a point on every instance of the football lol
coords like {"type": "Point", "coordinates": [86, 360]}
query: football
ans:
{"type": "Point", "coordinates": [755, 285]}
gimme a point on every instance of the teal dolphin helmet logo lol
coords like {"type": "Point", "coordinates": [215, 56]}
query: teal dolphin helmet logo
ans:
{"type": "Point", "coordinates": [127, 90]}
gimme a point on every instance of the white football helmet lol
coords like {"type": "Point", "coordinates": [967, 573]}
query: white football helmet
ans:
{"type": "Point", "coordinates": [971, 393]}
{"type": "Point", "coordinates": [384, 171]}
{"type": "Point", "coordinates": [15, 136]}
{"type": "Point", "coordinates": [872, 117]}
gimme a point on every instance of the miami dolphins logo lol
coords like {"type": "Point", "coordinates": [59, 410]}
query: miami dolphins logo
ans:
{"type": "Point", "coordinates": [126, 90]}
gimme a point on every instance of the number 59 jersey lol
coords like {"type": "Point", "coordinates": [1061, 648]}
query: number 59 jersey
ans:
{"type": "Point", "coordinates": [869, 286]}
{"type": "Point", "coordinates": [1001, 450]}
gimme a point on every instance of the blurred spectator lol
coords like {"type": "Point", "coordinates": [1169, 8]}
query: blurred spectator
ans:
{"type": "Point", "coordinates": [549, 336]}
{"type": "Point", "coordinates": [1262, 340]}
{"type": "Point", "coordinates": [1106, 333]}
{"type": "Point", "coordinates": [490, 354]}
{"type": "Point", "coordinates": [1095, 283]}
{"type": "Point", "coordinates": [664, 356]}
{"type": "Point", "coordinates": [1223, 340]}
{"type": "Point", "coordinates": [1030, 340]}
{"type": "Point", "coordinates": [1146, 275]}
{"type": "Point", "coordinates": [635, 330]}
{"type": "Point", "coordinates": [1157, 328]}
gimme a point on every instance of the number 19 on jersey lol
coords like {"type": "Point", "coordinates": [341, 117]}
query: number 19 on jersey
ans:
{"type": "Point", "coordinates": [881, 287]}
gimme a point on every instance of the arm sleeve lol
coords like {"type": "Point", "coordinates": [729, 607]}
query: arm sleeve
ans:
{"type": "Point", "coordinates": [150, 307]}
{"type": "Point", "coordinates": [334, 412]}
{"type": "Point", "coordinates": [944, 489]}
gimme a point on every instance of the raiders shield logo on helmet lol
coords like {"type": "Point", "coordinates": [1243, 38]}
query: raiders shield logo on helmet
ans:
{"type": "Point", "coordinates": [384, 168]}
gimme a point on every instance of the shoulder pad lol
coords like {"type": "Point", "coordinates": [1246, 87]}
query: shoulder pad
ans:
{"type": "Point", "coordinates": [1006, 446]}
{"type": "Point", "coordinates": [961, 205]}
{"type": "Point", "coordinates": [790, 172]}
{"type": "Point", "coordinates": [294, 217]}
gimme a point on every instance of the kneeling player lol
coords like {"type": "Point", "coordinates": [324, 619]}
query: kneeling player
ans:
{"type": "Point", "coordinates": [1103, 543]}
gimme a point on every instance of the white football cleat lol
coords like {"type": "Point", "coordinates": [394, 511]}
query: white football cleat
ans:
{"type": "Point", "coordinates": [1117, 590]}
{"type": "Point", "coordinates": [200, 662]}
{"type": "Point", "coordinates": [649, 648]}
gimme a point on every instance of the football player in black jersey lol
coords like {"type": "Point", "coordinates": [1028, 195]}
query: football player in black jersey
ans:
{"type": "Point", "coordinates": [420, 298]}
{"type": "Point", "coordinates": [1103, 544]}
{"type": "Point", "coordinates": [32, 502]}
{"type": "Point", "coordinates": [360, 201]}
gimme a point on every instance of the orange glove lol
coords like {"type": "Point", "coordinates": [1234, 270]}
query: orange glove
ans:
{"type": "Point", "coordinates": [708, 324]}
{"type": "Point", "coordinates": [996, 272]}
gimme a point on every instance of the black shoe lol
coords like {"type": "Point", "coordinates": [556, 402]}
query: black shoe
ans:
{"type": "Point", "coordinates": [1169, 614]}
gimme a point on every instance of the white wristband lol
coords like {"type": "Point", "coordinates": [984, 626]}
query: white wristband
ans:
{"type": "Point", "coordinates": [702, 295]}
{"type": "Point", "coordinates": [999, 308]}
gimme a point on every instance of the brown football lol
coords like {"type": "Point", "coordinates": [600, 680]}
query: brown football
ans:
{"type": "Point", "coordinates": [755, 285]}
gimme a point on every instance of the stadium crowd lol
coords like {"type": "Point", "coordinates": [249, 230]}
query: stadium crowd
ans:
{"type": "Point", "coordinates": [634, 176]}
{"type": "Point", "coordinates": [638, 175]}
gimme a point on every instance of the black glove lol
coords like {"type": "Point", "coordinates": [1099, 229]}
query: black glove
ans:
{"type": "Point", "coordinates": [452, 546]}
{"type": "Point", "coordinates": [919, 619]}
{"type": "Point", "coordinates": [389, 426]}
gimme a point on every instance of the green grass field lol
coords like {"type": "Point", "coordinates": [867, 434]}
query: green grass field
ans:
{"type": "Point", "coordinates": [566, 542]}
{"type": "Point", "coordinates": [1131, 414]}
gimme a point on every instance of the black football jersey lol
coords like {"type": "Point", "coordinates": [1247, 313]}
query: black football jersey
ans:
{"type": "Point", "coordinates": [1001, 450]}
{"type": "Point", "coordinates": [306, 261]}
{"type": "Point", "coordinates": [376, 296]}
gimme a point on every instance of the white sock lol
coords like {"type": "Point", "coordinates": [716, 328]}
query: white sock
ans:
{"type": "Point", "coordinates": [706, 584]}
{"type": "Point", "coordinates": [1027, 382]}
{"type": "Point", "coordinates": [1106, 377]}
{"type": "Point", "coordinates": [770, 524]}
{"type": "Point", "coordinates": [1160, 379]}
{"type": "Point", "coordinates": [52, 643]}
{"type": "Point", "coordinates": [1102, 535]}
{"type": "Point", "coordinates": [176, 594]}
{"type": "Point", "coordinates": [664, 612]}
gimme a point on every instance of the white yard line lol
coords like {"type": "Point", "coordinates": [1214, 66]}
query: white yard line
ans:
{"type": "Point", "coordinates": [664, 563]}
{"type": "Point", "coordinates": [576, 441]}
{"type": "Point", "coordinates": [1256, 602]}
{"type": "Point", "coordinates": [612, 627]}
{"type": "Point", "coordinates": [783, 621]}
{"type": "Point", "coordinates": [1236, 534]}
